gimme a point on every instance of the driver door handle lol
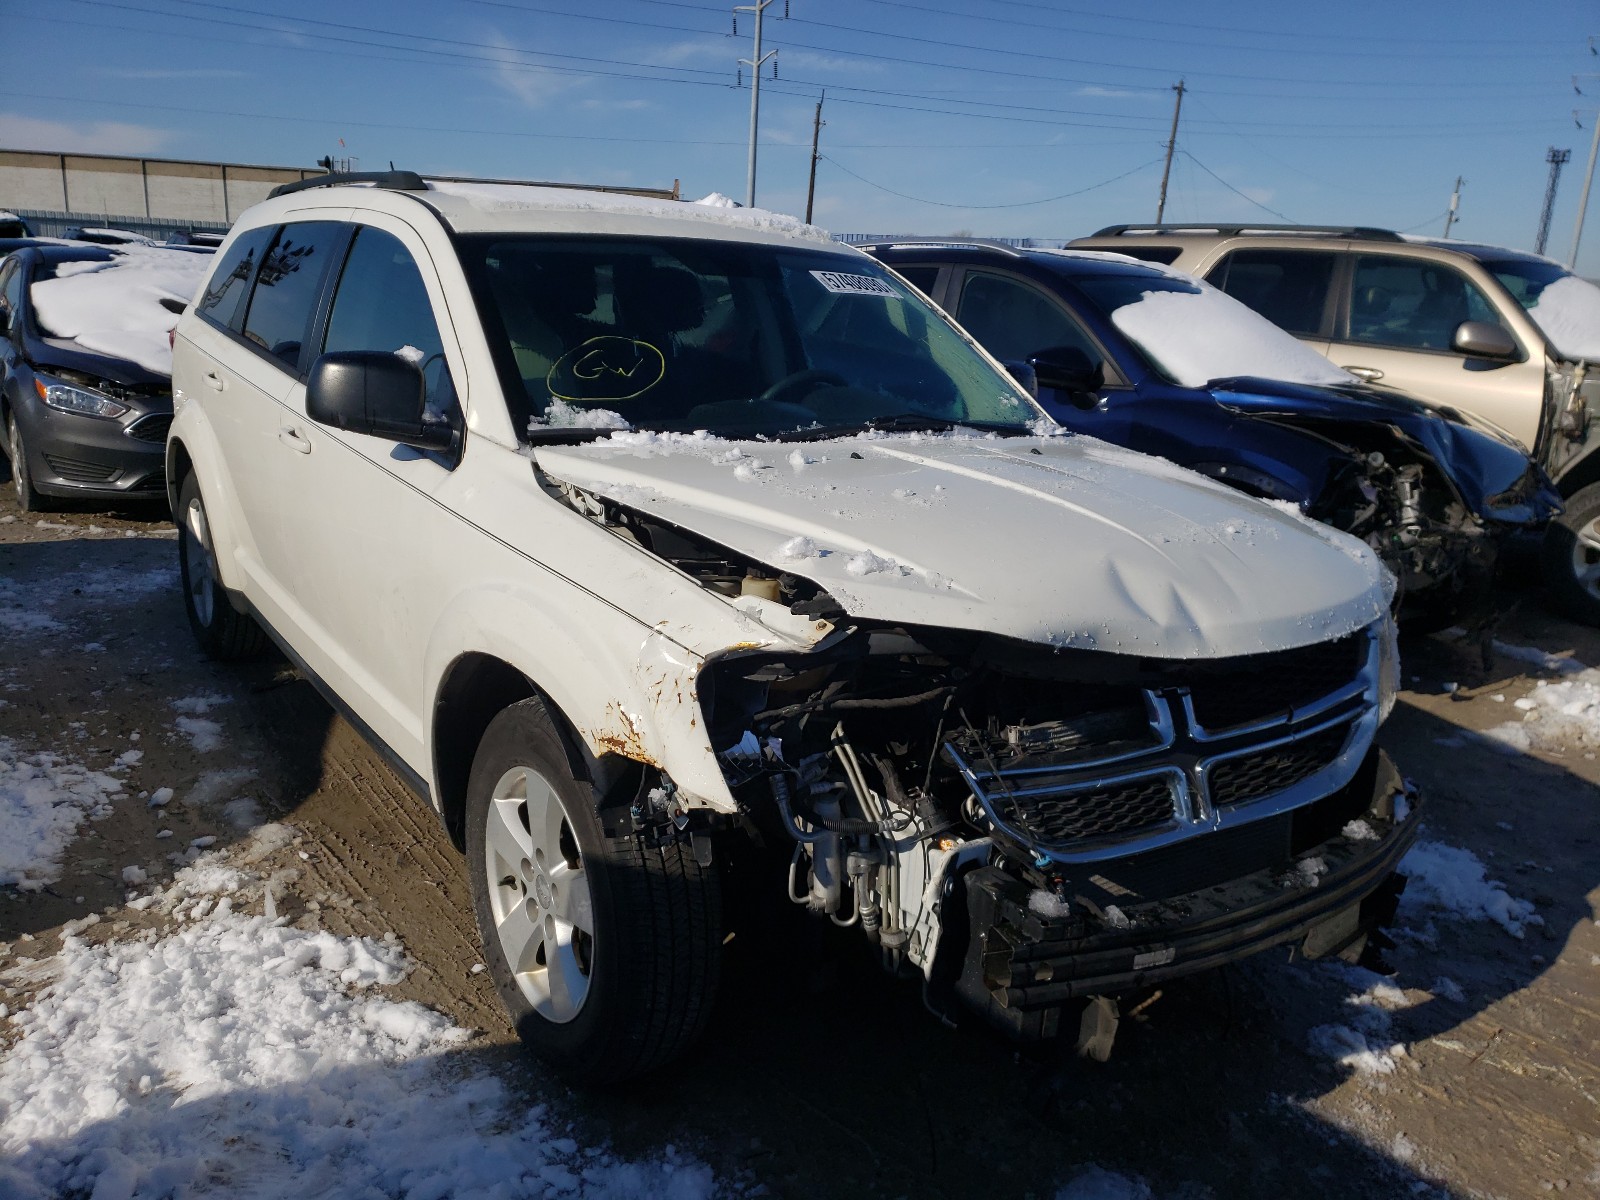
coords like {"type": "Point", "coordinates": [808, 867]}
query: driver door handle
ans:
{"type": "Point", "coordinates": [214, 381]}
{"type": "Point", "coordinates": [294, 439]}
{"type": "Point", "coordinates": [1370, 374]}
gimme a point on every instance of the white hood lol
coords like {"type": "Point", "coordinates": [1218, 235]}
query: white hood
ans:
{"type": "Point", "coordinates": [1061, 541]}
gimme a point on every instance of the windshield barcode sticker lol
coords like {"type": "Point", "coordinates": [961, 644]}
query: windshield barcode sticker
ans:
{"type": "Point", "coordinates": [854, 285]}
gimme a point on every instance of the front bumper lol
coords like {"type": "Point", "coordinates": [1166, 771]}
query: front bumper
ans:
{"type": "Point", "coordinates": [1173, 912]}
{"type": "Point", "coordinates": [72, 455]}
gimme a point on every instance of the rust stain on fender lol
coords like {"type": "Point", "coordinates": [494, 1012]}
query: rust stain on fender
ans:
{"type": "Point", "coordinates": [623, 737]}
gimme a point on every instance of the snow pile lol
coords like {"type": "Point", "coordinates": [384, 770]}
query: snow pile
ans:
{"type": "Point", "coordinates": [43, 800]}
{"type": "Point", "coordinates": [114, 307]}
{"type": "Point", "coordinates": [522, 198]}
{"type": "Point", "coordinates": [240, 1056]}
{"type": "Point", "coordinates": [1453, 879]}
{"type": "Point", "coordinates": [1544, 661]}
{"type": "Point", "coordinates": [868, 563]}
{"type": "Point", "coordinates": [718, 200]}
{"type": "Point", "coordinates": [1568, 311]}
{"type": "Point", "coordinates": [1364, 1043]}
{"type": "Point", "coordinates": [1560, 715]}
{"type": "Point", "coordinates": [797, 548]}
{"type": "Point", "coordinates": [561, 415]}
{"type": "Point", "coordinates": [1204, 335]}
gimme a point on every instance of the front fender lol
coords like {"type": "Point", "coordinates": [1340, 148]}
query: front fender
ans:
{"type": "Point", "coordinates": [624, 688]}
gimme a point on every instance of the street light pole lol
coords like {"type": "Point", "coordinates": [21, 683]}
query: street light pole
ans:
{"type": "Point", "coordinates": [755, 62]}
{"type": "Point", "coordinates": [1583, 200]}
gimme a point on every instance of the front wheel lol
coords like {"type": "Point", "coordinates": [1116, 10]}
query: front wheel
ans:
{"type": "Point", "coordinates": [1572, 557]}
{"type": "Point", "coordinates": [605, 951]}
{"type": "Point", "coordinates": [223, 633]}
{"type": "Point", "coordinates": [29, 499]}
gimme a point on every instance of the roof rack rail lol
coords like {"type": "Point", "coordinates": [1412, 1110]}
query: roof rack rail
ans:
{"type": "Point", "coordinates": [976, 243]}
{"type": "Point", "coordinates": [1237, 229]}
{"type": "Point", "coordinates": [400, 181]}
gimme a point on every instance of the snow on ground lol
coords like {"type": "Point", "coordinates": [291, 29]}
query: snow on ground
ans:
{"type": "Point", "coordinates": [44, 798]}
{"type": "Point", "coordinates": [1453, 879]}
{"type": "Point", "coordinates": [25, 605]}
{"type": "Point", "coordinates": [233, 1054]}
{"type": "Point", "coordinates": [114, 307]}
{"type": "Point", "coordinates": [1556, 716]}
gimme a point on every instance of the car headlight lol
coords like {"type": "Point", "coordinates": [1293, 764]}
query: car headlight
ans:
{"type": "Point", "coordinates": [1388, 667]}
{"type": "Point", "coordinates": [69, 397]}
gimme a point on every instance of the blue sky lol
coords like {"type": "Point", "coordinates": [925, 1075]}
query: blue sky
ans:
{"type": "Point", "coordinates": [984, 118]}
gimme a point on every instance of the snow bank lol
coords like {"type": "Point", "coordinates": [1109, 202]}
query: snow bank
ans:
{"type": "Point", "coordinates": [1557, 716]}
{"type": "Point", "coordinates": [240, 1056]}
{"type": "Point", "coordinates": [1200, 336]}
{"type": "Point", "coordinates": [1568, 311]}
{"type": "Point", "coordinates": [1453, 879]}
{"type": "Point", "coordinates": [114, 307]}
{"type": "Point", "coordinates": [43, 800]}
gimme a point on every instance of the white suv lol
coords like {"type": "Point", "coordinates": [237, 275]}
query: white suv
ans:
{"type": "Point", "coordinates": [645, 537]}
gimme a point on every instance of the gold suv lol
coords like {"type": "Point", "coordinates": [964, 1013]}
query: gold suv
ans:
{"type": "Point", "coordinates": [1507, 336]}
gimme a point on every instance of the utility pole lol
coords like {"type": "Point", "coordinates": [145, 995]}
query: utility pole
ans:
{"type": "Point", "coordinates": [1557, 159]}
{"type": "Point", "coordinates": [1588, 178]}
{"type": "Point", "coordinates": [1172, 140]}
{"type": "Point", "coordinates": [755, 62]}
{"type": "Point", "coordinates": [816, 136]}
{"type": "Point", "coordinates": [1455, 203]}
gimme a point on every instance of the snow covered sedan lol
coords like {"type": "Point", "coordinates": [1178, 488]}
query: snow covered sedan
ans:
{"type": "Point", "coordinates": [653, 541]}
{"type": "Point", "coordinates": [85, 396]}
{"type": "Point", "coordinates": [1152, 359]}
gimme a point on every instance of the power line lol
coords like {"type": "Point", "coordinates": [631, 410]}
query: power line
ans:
{"type": "Point", "coordinates": [1017, 204]}
{"type": "Point", "coordinates": [1233, 189]}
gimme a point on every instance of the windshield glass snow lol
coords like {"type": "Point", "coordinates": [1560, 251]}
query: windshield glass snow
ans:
{"type": "Point", "coordinates": [1191, 333]}
{"type": "Point", "coordinates": [740, 340]}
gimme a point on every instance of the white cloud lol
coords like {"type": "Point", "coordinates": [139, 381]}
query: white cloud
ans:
{"type": "Point", "coordinates": [86, 137]}
{"type": "Point", "coordinates": [532, 85]}
{"type": "Point", "coordinates": [162, 73]}
{"type": "Point", "coordinates": [1114, 93]}
{"type": "Point", "coordinates": [676, 54]}
{"type": "Point", "coordinates": [825, 62]}
{"type": "Point", "coordinates": [616, 105]}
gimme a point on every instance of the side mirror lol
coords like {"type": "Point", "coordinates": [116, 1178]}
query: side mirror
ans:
{"type": "Point", "coordinates": [1068, 369]}
{"type": "Point", "coordinates": [1484, 339]}
{"type": "Point", "coordinates": [376, 393]}
{"type": "Point", "coordinates": [1024, 375]}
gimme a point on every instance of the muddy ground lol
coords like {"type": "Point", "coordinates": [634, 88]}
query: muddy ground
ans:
{"type": "Point", "coordinates": [823, 1078]}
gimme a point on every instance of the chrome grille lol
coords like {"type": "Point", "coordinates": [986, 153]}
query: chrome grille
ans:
{"type": "Point", "coordinates": [1247, 777]}
{"type": "Point", "coordinates": [1295, 741]}
{"type": "Point", "coordinates": [1116, 809]}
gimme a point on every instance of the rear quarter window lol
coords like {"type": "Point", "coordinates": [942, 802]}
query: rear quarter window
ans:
{"type": "Point", "coordinates": [222, 303]}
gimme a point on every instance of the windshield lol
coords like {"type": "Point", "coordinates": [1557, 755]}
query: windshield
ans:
{"type": "Point", "coordinates": [1191, 333]}
{"type": "Point", "coordinates": [1526, 279]}
{"type": "Point", "coordinates": [740, 340]}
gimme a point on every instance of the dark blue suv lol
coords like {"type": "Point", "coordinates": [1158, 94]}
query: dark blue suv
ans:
{"type": "Point", "coordinates": [1149, 358]}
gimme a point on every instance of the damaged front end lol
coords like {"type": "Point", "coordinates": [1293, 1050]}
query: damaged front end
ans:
{"type": "Point", "coordinates": [1028, 827]}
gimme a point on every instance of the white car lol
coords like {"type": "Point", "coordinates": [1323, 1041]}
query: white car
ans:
{"type": "Point", "coordinates": [646, 537]}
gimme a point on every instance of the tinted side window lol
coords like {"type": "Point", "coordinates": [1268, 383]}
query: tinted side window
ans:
{"type": "Point", "coordinates": [1014, 321]}
{"type": "Point", "coordinates": [382, 304]}
{"type": "Point", "coordinates": [286, 289]}
{"type": "Point", "coordinates": [1287, 287]}
{"type": "Point", "coordinates": [921, 278]}
{"type": "Point", "coordinates": [1411, 302]}
{"type": "Point", "coordinates": [11, 289]}
{"type": "Point", "coordinates": [223, 300]}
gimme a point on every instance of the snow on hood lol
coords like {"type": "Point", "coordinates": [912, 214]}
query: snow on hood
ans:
{"type": "Point", "coordinates": [1200, 336]}
{"type": "Point", "coordinates": [511, 197]}
{"type": "Point", "coordinates": [1568, 311]}
{"type": "Point", "coordinates": [114, 307]}
{"type": "Point", "coordinates": [1060, 541]}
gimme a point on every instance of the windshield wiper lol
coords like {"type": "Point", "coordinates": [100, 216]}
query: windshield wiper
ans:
{"type": "Point", "coordinates": [900, 423]}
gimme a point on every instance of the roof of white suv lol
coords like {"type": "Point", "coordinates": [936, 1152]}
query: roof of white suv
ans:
{"type": "Point", "coordinates": [540, 208]}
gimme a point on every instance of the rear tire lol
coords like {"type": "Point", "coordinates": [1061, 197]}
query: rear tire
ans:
{"type": "Point", "coordinates": [29, 499]}
{"type": "Point", "coordinates": [224, 633]}
{"type": "Point", "coordinates": [1572, 557]}
{"type": "Point", "coordinates": [605, 951]}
